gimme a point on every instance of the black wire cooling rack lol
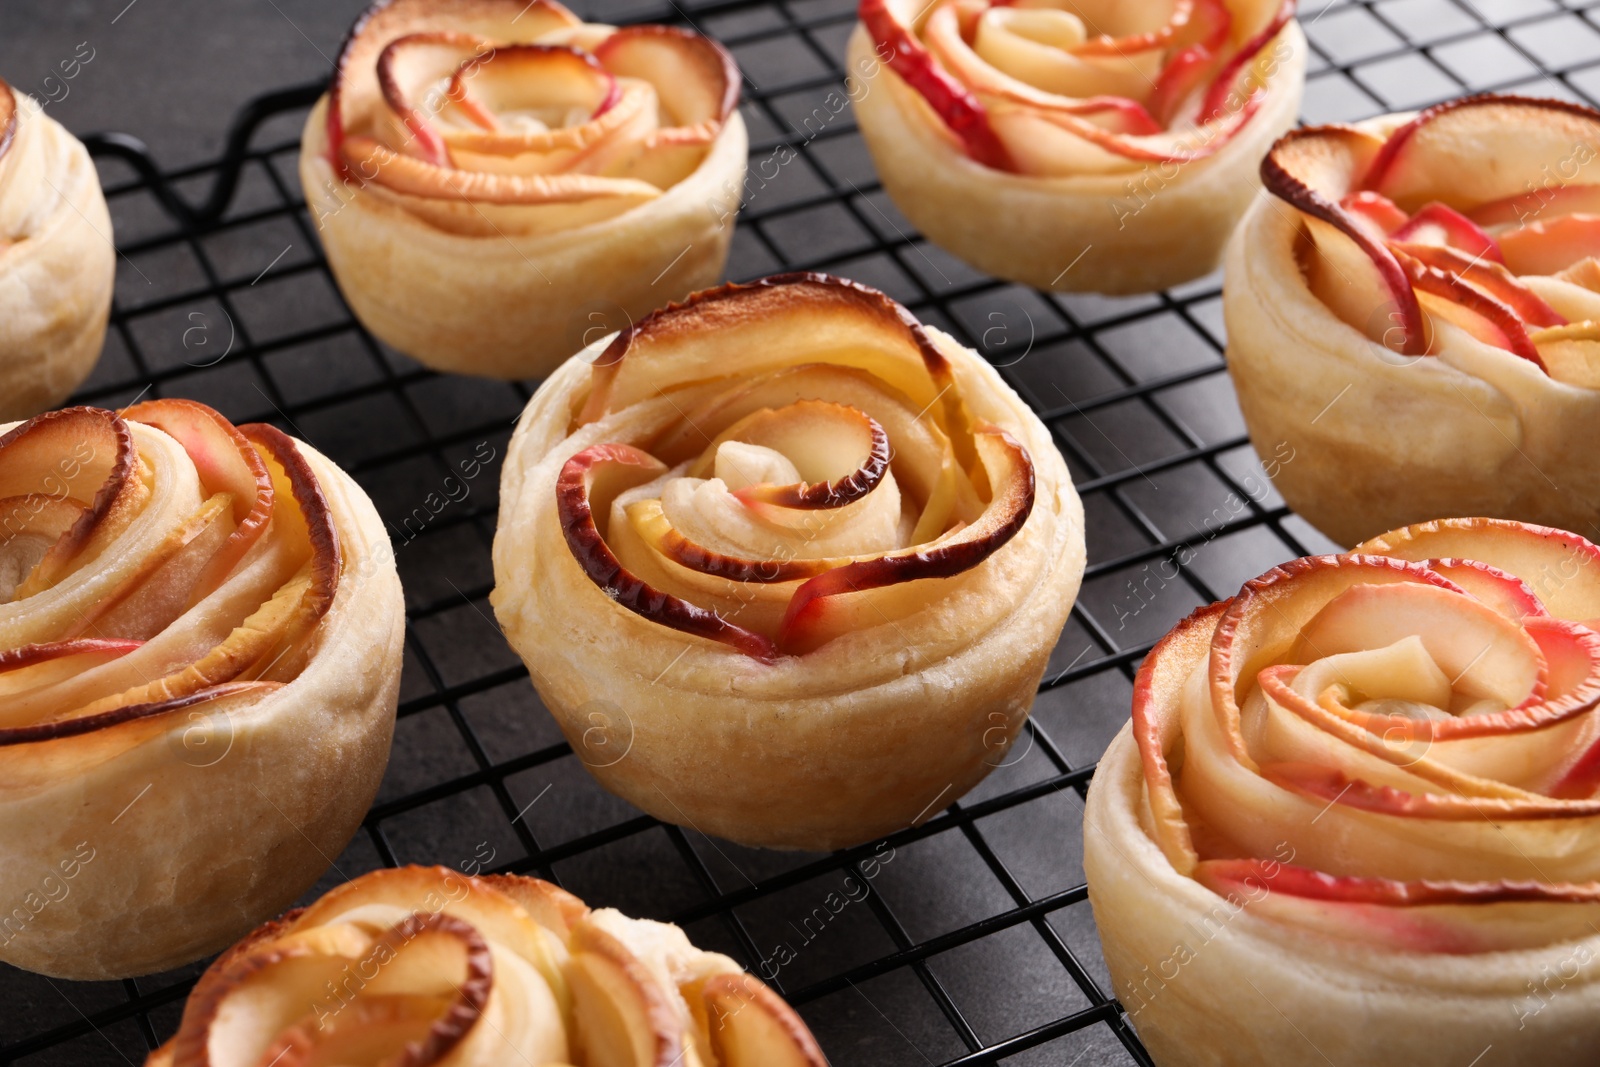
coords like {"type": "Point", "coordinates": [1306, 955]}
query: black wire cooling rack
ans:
{"type": "Point", "coordinates": [975, 943]}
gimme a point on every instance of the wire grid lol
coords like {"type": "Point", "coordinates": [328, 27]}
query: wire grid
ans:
{"type": "Point", "coordinates": [975, 943]}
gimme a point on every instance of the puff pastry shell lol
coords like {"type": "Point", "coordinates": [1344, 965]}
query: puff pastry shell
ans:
{"type": "Point", "coordinates": [200, 634]}
{"type": "Point", "coordinates": [784, 563]}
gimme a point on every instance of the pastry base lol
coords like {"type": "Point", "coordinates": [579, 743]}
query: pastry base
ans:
{"type": "Point", "coordinates": [517, 306]}
{"type": "Point", "coordinates": [858, 738]}
{"type": "Point", "coordinates": [1364, 441]}
{"type": "Point", "coordinates": [55, 284]}
{"type": "Point", "coordinates": [1123, 233]}
{"type": "Point", "coordinates": [191, 846]}
{"type": "Point", "coordinates": [1207, 984]}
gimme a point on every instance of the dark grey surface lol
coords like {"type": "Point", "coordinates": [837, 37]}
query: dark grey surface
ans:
{"type": "Point", "coordinates": [174, 73]}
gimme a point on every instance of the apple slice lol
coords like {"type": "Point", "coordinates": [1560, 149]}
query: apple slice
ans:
{"type": "Point", "coordinates": [1571, 353]}
{"type": "Point", "coordinates": [776, 323]}
{"type": "Point", "coordinates": [841, 454]}
{"type": "Point", "coordinates": [622, 1016]}
{"type": "Point", "coordinates": [890, 29]}
{"type": "Point", "coordinates": [696, 77]}
{"type": "Point", "coordinates": [1550, 246]}
{"type": "Point", "coordinates": [1314, 169]}
{"type": "Point", "coordinates": [1561, 568]}
{"type": "Point", "coordinates": [355, 94]}
{"type": "Point", "coordinates": [1477, 312]}
{"type": "Point", "coordinates": [1500, 590]}
{"type": "Point", "coordinates": [748, 1025]}
{"type": "Point", "coordinates": [823, 608]}
{"type": "Point", "coordinates": [587, 485]}
{"type": "Point", "coordinates": [1440, 224]}
{"type": "Point", "coordinates": [84, 455]}
{"type": "Point", "coordinates": [1208, 26]}
{"type": "Point", "coordinates": [226, 463]}
{"type": "Point", "coordinates": [1381, 214]}
{"type": "Point", "coordinates": [1547, 201]}
{"type": "Point", "coordinates": [1441, 154]}
{"type": "Point", "coordinates": [1491, 278]}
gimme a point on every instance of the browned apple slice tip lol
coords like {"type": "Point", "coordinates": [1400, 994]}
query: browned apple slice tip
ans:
{"type": "Point", "coordinates": [1443, 153]}
{"type": "Point", "coordinates": [697, 78]}
{"type": "Point", "coordinates": [622, 1017]}
{"type": "Point", "coordinates": [83, 454]}
{"type": "Point", "coordinates": [751, 1026]}
{"type": "Point", "coordinates": [815, 616]}
{"type": "Point", "coordinates": [1312, 170]}
{"type": "Point", "coordinates": [588, 482]}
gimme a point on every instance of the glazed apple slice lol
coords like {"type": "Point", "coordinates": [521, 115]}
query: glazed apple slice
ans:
{"type": "Point", "coordinates": [1440, 224]}
{"type": "Point", "coordinates": [776, 323]}
{"type": "Point", "coordinates": [355, 95]}
{"type": "Point", "coordinates": [622, 1017]}
{"type": "Point", "coordinates": [1562, 569]}
{"type": "Point", "coordinates": [1550, 246]}
{"type": "Point", "coordinates": [1491, 278]}
{"type": "Point", "coordinates": [587, 485]}
{"type": "Point", "coordinates": [841, 600]}
{"type": "Point", "coordinates": [1571, 353]}
{"type": "Point", "coordinates": [1440, 155]}
{"type": "Point", "coordinates": [226, 463]}
{"type": "Point", "coordinates": [696, 76]}
{"type": "Point", "coordinates": [748, 1025]}
{"type": "Point", "coordinates": [889, 25]}
{"type": "Point", "coordinates": [1475, 311]}
{"type": "Point", "coordinates": [1550, 199]}
{"type": "Point", "coordinates": [1313, 170]}
{"type": "Point", "coordinates": [82, 455]}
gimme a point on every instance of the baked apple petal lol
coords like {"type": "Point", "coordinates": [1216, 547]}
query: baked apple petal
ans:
{"type": "Point", "coordinates": [815, 617]}
{"type": "Point", "coordinates": [1314, 170]}
{"type": "Point", "coordinates": [954, 103]}
{"type": "Point", "coordinates": [82, 454]}
{"type": "Point", "coordinates": [621, 1016]}
{"type": "Point", "coordinates": [226, 463]}
{"type": "Point", "coordinates": [1438, 156]}
{"type": "Point", "coordinates": [588, 482]}
{"type": "Point", "coordinates": [1561, 568]}
{"type": "Point", "coordinates": [751, 1026]}
{"type": "Point", "coordinates": [696, 77]}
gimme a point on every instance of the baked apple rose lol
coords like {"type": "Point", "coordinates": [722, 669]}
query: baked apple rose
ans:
{"type": "Point", "coordinates": [493, 178]}
{"type": "Point", "coordinates": [1367, 786]}
{"type": "Point", "coordinates": [1022, 134]}
{"type": "Point", "coordinates": [200, 637]}
{"type": "Point", "coordinates": [422, 966]}
{"type": "Point", "coordinates": [1414, 306]}
{"type": "Point", "coordinates": [56, 259]}
{"type": "Point", "coordinates": [785, 564]}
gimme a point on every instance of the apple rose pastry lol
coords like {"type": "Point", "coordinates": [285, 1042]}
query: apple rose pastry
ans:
{"type": "Point", "coordinates": [1357, 808]}
{"type": "Point", "coordinates": [784, 563]}
{"type": "Point", "coordinates": [1076, 144]}
{"type": "Point", "coordinates": [492, 178]}
{"type": "Point", "coordinates": [423, 966]}
{"type": "Point", "coordinates": [56, 259]}
{"type": "Point", "coordinates": [1413, 312]}
{"type": "Point", "coordinates": [200, 637]}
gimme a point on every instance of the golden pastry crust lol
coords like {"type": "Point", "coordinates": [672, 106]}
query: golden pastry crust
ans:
{"type": "Point", "coordinates": [452, 969]}
{"type": "Point", "coordinates": [497, 183]}
{"type": "Point", "coordinates": [1060, 156]}
{"type": "Point", "coordinates": [785, 564]}
{"type": "Point", "coordinates": [203, 631]}
{"type": "Point", "coordinates": [1360, 796]}
{"type": "Point", "coordinates": [1398, 400]}
{"type": "Point", "coordinates": [57, 263]}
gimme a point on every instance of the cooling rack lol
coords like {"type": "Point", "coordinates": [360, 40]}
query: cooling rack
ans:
{"type": "Point", "coordinates": [974, 942]}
